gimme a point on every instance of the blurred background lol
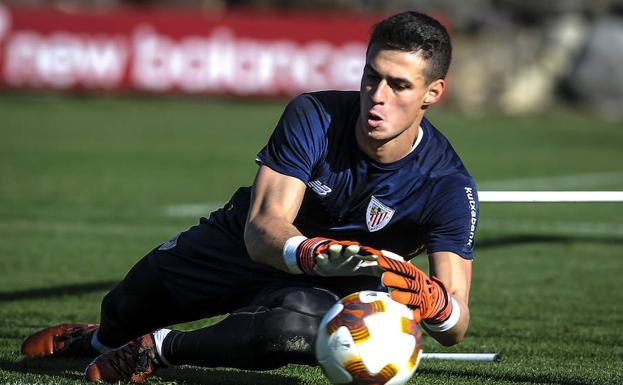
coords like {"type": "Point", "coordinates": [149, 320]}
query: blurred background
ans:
{"type": "Point", "coordinates": [123, 122]}
{"type": "Point", "coordinates": [514, 57]}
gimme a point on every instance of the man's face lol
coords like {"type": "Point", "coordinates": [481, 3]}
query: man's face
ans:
{"type": "Point", "coordinates": [393, 93]}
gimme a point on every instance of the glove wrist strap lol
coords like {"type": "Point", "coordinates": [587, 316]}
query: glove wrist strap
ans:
{"type": "Point", "coordinates": [306, 254]}
{"type": "Point", "coordinates": [443, 306]}
{"type": "Point", "coordinates": [290, 255]}
{"type": "Point", "coordinates": [449, 323]}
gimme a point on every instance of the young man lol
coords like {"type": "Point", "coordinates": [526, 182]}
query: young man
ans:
{"type": "Point", "coordinates": [365, 167]}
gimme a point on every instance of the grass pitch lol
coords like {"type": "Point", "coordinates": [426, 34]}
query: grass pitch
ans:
{"type": "Point", "coordinates": [88, 185]}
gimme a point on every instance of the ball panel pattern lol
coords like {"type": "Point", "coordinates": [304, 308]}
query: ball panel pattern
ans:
{"type": "Point", "coordinates": [358, 370]}
{"type": "Point", "coordinates": [352, 316]}
{"type": "Point", "coordinates": [411, 327]}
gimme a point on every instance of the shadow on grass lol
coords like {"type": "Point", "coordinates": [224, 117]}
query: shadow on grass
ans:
{"type": "Point", "coordinates": [62, 367]}
{"type": "Point", "coordinates": [55, 291]}
{"type": "Point", "coordinates": [477, 377]}
{"type": "Point", "coordinates": [73, 368]}
{"type": "Point", "coordinates": [195, 375]}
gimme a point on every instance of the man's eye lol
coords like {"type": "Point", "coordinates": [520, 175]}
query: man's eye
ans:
{"type": "Point", "coordinates": [399, 86]}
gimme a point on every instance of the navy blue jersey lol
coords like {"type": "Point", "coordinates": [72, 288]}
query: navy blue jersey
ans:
{"type": "Point", "coordinates": [425, 200]}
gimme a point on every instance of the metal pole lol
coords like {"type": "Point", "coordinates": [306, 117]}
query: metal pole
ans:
{"type": "Point", "coordinates": [483, 357]}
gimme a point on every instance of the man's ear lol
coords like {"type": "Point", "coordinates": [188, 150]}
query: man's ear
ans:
{"type": "Point", "coordinates": [434, 92]}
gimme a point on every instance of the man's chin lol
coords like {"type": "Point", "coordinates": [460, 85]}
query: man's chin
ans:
{"type": "Point", "coordinates": [376, 136]}
{"type": "Point", "coordinates": [375, 126]}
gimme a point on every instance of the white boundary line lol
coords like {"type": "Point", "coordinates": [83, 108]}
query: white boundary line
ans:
{"type": "Point", "coordinates": [550, 196]}
{"type": "Point", "coordinates": [192, 209]}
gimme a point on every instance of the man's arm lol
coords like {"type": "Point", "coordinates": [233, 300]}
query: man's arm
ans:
{"type": "Point", "coordinates": [275, 202]}
{"type": "Point", "coordinates": [271, 238]}
{"type": "Point", "coordinates": [439, 300]}
{"type": "Point", "coordinates": [456, 273]}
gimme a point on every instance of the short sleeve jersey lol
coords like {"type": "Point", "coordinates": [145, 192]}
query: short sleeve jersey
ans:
{"type": "Point", "coordinates": [426, 200]}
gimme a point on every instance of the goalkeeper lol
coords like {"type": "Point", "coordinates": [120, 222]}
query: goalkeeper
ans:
{"type": "Point", "coordinates": [344, 175]}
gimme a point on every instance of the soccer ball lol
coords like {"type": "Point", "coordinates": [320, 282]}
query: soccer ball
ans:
{"type": "Point", "coordinates": [368, 338]}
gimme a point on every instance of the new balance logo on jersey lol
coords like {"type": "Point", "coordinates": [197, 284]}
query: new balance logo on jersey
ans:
{"type": "Point", "coordinates": [168, 245]}
{"type": "Point", "coordinates": [319, 188]}
{"type": "Point", "coordinates": [378, 215]}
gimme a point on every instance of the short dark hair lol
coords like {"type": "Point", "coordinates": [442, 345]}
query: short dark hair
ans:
{"type": "Point", "coordinates": [416, 32]}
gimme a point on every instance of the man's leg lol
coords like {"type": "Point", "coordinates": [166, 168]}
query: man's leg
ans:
{"type": "Point", "coordinates": [140, 304]}
{"type": "Point", "coordinates": [274, 326]}
{"type": "Point", "coordinates": [278, 328]}
{"type": "Point", "coordinates": [187, 278]}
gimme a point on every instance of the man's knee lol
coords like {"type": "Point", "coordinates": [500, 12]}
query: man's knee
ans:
{"type": "Point", "coordinates": [286, 330]}
{"type": "Point", "coordinates": [110, 305]}
{"type": "Point", "coordinates": [123, 300]}
{"type": "Point", "coordinates": [313, 301]}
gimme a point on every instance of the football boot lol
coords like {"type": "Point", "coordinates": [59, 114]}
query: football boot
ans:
{"type": "Point", "coordinates": [133, 362]}
{"type": "Point", "coordinates": [66, 339]}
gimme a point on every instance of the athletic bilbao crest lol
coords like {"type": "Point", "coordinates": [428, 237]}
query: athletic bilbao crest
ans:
{"type": "Point", "coordinates": [378, 215]}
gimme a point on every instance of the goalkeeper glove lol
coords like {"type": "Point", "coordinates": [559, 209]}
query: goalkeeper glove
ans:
{"type": "Point", "coordinates": [329, 257]}
{"type": "Point", "coordinates": [427, 296]}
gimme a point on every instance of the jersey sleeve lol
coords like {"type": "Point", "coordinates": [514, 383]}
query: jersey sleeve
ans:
{"type": "Point", "coordinates": [299, 140]}
{"type": "Point", "coordinates": [453, 211]}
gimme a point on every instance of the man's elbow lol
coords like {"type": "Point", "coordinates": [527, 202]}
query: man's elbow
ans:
{"type": "Point", "coordinates": [454, 335]}
{"type": "Point", "coordinates": [448, 340]}
{"type": "Point", "coordinates": [250, 238]}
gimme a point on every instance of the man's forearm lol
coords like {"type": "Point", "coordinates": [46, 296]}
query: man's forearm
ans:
{"type": "Point", "coordinates": [264, 239]}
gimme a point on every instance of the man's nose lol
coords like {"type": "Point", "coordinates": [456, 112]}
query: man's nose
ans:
{"type": "Point", "coordinates": [380, 92]}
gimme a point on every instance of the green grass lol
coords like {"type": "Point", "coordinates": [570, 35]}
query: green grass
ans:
{"type": "Point", "coordinates": [85, 184]}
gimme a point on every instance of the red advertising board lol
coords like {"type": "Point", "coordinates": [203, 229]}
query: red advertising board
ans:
{"type": "Point", "coordinates": [234, 53]}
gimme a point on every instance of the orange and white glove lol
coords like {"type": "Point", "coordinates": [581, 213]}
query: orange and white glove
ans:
{"type": "Point", "coordinates": [427, 296]}
{"type": "Point", "coordinates": [325, 257]}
